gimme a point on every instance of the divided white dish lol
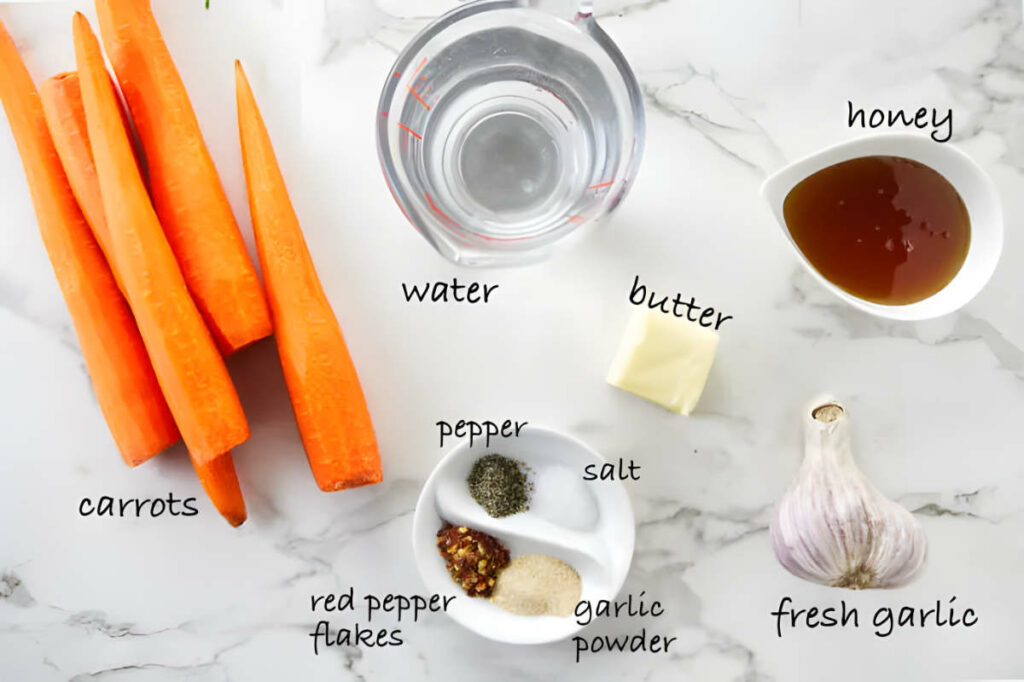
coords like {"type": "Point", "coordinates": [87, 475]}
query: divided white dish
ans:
{"type": "Point", "coordinates": [601, 555]}
{"type": "Point", "coordinates": [970, 180]}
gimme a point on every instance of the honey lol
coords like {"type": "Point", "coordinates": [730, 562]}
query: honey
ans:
{"type": "Point", "coordinates": [882, 228]}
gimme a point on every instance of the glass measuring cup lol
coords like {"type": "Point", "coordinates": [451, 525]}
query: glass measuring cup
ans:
{"type": "Point", "coordinates": [506, 125]}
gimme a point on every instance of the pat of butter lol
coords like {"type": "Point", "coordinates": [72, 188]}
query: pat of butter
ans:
{"type": "Point", "coordinates": [664, 359]}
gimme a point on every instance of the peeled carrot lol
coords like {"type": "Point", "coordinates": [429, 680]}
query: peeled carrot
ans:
{"type": "Point", "coordinates": [221, 485]}
{"type": "Point", "coordinates": [323, 385]}
{"type": "Point", "coordinates": [187, 192]}
{"type": "Point", "coordinates": [191, 372]}
{"type": "Point", "coordinates": [122, 377]}
{"type": "Point", "coordinates": [65, 115]}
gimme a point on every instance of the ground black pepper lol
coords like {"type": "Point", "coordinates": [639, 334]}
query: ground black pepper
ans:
{"type": "Point", "coordinates": [500, 485]}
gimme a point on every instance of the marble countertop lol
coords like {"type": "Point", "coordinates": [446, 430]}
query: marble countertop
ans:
{"type": "Point", "coordinates": [733, 91]}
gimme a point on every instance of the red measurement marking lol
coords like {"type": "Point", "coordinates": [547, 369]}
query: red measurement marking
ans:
{"type": "Point", "coordinates": [410, 130]}
{"type": "Point", "coordinates": [603, 184]}
{"type": "Point", "coordinates": [397, 74]}
{"type": "Point", "coordinates": [439, 211]}
{"type": "Point", "coordinates": [423, 77]}
{"type": "Point", "coordinates": [384, 114]}
{"type": "Point", "coordinates": [577, 219]}
{"type": "Point", "coordinates": [422, 63]}
{"type": "Point", "coordinates": [418, 98]}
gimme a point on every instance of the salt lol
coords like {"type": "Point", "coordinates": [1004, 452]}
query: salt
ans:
{"type": "Point", "coordinates": [561, 497]}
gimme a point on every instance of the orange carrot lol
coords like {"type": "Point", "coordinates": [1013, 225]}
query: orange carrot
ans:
{"type": "Point", "coordinates": [221, 485]}
{"type": "Point", "coordinates": [62, 105]}
{"type": "Point", "coordinates": [326, 396]}
{"type": "Point", "coordinates": [65, 114]}
{"type": "Point", "coordinates": [187, 192]}
{"type": "Point", "coordinates": [191, 372]}
{"type": "Point", "coordinates": [125, 385]}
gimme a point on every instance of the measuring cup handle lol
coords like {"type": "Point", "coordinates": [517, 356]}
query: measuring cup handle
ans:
{"type": "Point", "coordinates": [570, 10]}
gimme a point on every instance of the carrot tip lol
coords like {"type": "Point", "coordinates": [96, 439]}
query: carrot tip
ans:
{"type": "Point", "coordinates": [330, 486]}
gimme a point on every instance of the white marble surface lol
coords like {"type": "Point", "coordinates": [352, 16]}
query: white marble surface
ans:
{"type": "Point", "coordinates": [732, 90]}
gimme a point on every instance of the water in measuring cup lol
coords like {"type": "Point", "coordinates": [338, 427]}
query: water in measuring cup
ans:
{"type": "Point", "coordinates": [517, 130]}
{"type": "Point", "coordinates": [509, 162]}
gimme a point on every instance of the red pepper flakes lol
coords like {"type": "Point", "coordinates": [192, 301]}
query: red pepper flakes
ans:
{"type": "Point", "coordinates": [474, 559]}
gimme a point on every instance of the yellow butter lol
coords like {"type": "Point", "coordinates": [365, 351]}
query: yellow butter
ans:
{"type": "Point", "coordinates": [664, 359]}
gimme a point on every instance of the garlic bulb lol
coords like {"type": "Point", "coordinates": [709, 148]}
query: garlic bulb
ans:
{"type": "Point", "coordinates": [832, 526]}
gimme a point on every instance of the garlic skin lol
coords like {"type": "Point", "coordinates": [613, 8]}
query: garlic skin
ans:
{"type": "Point", "coordinates": [833, 526]}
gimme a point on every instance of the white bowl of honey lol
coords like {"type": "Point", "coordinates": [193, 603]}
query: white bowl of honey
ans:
{"type": "Point", "coordinates": [895, 224]}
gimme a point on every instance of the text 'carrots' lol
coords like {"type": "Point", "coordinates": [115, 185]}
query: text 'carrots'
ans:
{"type": "Point", "coordinates": [323, 385]}
{"type": "Point", "coordinates": [125, 385]}
{"type": "Point", "coordinates": [187, 192]}
{"type": "Point", "coordinates": [191, 372]}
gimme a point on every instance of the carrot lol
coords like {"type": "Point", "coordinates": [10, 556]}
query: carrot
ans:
{"type": "Point", "coordinates": [65, 115]}
{"type": "Point", "coordinates": [221, 485]}
{"type": "Point", "coordinates": [191, 372]}
{"type": "Point", "coordinates": [325, 393]}
{"type": "Point", "coordinates": [122, 377]}
{"type": "Point", "coordinates": [62, 105]}
{"type": "Point", "coordinates": [186, 189]}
